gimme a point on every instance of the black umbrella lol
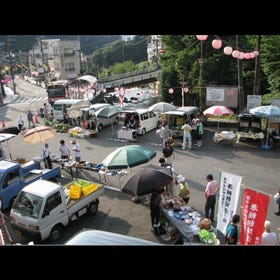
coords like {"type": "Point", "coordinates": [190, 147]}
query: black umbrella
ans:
{"type": "Point", "coordinates": [147, 180]}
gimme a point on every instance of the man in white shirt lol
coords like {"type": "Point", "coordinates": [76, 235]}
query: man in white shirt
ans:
{"type": "Point", "coordinates": [269, 237]}
{"type": "Point", "coordinates": [76, 150]}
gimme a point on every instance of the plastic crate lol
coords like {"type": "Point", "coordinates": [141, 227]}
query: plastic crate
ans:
{"type": "Point", "coordinates": [75, 192]}
{"type": "Point", "coordinates": [86, 190]}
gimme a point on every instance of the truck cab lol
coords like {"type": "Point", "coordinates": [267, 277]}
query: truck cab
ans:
{"type": "Point", "coordinates": [14, 176]}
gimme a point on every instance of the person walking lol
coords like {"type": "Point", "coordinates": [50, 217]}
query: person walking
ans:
{"type": "Point", "coordinates": [277, 200]}
{"type": "Point", "coordinates": [46, 157]}
{"type": "Point", "coordinates": [163, 133]}
{"type": "Point", "coordinates": [30, 119]}
{"type": "Point", "coordinates": [269, 237]}
{"type": "Point", "coordinates": [187, 129]}
{"type": "Point", "coordinates": [77, 150]}
{"type": "Point", "coordinates": [20, 122]}
{"type": "Point", "coordinates": [232, 231]}
{"type": "Point", "coordinates": [210, 192]}
{"type": "Point", "coordinates": [168, 153]}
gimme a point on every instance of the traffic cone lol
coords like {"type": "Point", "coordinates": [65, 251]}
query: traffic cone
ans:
{"type": "Point", "coordinates": [36, 119]}
{"type": "Point", "coordinates": [3, 124]}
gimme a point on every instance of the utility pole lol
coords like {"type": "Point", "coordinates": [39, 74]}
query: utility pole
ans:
{"type": "Point", "coordinates": [240, 79]}
{"type": "Point", "coordinates": [256, 88]}
{"type": "Point", "coordinates": [10, 63]}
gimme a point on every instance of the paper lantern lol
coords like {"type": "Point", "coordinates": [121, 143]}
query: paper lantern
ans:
{"type": "Point", "coordinates": [228, 50]}
{"type": "Point", "coordinates": [171, 91]}
{"type": "Point", "coordinates": [235, 54]}
{"type": "Point", "coordinates": [256, 53]}
{"type": "Point", "coordinates": [247, 55]}
{"type": "Point", "coordinates": [185, 89]}
{"type": "Point", "coordinates": [217, 44]}
{"type": "Point", "coordinates": [201, 37]}
{"type": "Point", "coordinates": [241, 55]}
{"type": "Point", "coordinates": [252, 54]}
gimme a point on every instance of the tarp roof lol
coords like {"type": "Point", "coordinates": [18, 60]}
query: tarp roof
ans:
{"type": "Point", "coordinates": [88, 78]}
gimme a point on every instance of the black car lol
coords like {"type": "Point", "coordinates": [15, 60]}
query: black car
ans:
{"type": "Point", "coordinates": [11, 130]}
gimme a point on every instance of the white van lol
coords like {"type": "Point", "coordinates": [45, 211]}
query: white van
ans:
{"type": "Point", "coordinates": [60, 107]}
{"type": "Point", "coordinates": [146, 119]}
{"type": "Point", "coordinates": [98, 237]}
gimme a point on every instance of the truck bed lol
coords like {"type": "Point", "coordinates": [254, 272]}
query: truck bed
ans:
{"type": "Point", "coordinates": [74, 205]}
{"type": "Point", "coordinates": [41, 173]}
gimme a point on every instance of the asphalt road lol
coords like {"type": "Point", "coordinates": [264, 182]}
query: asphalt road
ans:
{"type": "Point", "coordinates": [117, 213]}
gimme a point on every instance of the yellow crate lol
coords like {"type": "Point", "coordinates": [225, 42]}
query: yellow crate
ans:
{"type": "Point", "coordinates": [75, 192]}
{"type": "Point", "coordinates": [86, 190]}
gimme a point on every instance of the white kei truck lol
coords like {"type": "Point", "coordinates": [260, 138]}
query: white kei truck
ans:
{"type": "Point", "coordinates": [43, 209]}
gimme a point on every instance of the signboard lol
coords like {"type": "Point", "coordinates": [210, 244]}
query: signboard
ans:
{"type": "Point", "coordinates": [253, 101]}
{"type": "Point", "coordinates": [254, 211]}
{"type": "Point", "coordinates": [228, 199]}
{"type": "Point", "coordinates": [227, 96]}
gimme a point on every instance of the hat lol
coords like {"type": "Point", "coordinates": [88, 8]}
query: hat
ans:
{"type": "Point", "coordinates": [209, 177]}
{"type": "Point", "coordinates": [180, 179]}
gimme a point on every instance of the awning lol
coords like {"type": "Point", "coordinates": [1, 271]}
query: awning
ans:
{"type": "Point", "coordinates": [88, 78]}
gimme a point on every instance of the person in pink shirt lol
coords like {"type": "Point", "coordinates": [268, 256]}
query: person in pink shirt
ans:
{"type": "Point", "coordinates": [210, 192]}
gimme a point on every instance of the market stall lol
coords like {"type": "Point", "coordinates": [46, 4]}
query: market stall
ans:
{"type": "Point", "coordinates": [188, 222]}
{"type": "Point", "coordinates": [126, 133]}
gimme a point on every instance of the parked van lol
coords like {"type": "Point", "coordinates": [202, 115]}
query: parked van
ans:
{"type": "Point", "coordinates": [146, 120]}
{"type": "Point", "coordinates": [60, 107]}
{"type": "Point", "coordinates": [98, 237]}
{"type": "Point", "coordinates": [177, 118]}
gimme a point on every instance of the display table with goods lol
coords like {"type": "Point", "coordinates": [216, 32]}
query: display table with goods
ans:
{"type": "Point", "coordinates": [126, 133]}
{"type": "Point", "coordinates": [105, 175]}
{"type": "Point", "coordinates": [235, 136]}
{"type": "Point", "coordinates": [79, 132]}
{"type": "Point", "coordinates": [188, 222]}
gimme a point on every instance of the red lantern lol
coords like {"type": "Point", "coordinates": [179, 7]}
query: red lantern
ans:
{"type": "Point", "coordinates": [201, 37]}
{"type": "Point", "coordinates": [217, 44]}
{"type": "Point", "coordinates": [247, 55]}
{"type": "Point", "coordinates": [228, 50]}
{"type": "Point", "coordinates": [235, 54]}
{"type": "Point", "coordinates": [171, 91]}
{"type": "Point", "coordinates": [185, 89]}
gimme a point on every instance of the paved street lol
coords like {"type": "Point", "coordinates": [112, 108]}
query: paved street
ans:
{"type": "Point", "coordinates": [259, 169]}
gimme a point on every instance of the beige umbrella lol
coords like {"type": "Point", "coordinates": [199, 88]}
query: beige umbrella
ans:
{"type": "Point", "coordinates": [39, 134]}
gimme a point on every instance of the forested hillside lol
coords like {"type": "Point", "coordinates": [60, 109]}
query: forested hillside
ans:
{"type": "Point", "coordinates": [89, 43]}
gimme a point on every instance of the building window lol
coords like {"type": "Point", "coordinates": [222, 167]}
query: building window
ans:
{"type": "Point", "coordinates": [69, 66]}
{"type": "Point", "coordinates": [68, 52]}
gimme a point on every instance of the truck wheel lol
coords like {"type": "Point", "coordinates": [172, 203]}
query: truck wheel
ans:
{"type": "Point", "coordinates": [56, 233]}
{"type": "Point", "coordinates": [92, 208]}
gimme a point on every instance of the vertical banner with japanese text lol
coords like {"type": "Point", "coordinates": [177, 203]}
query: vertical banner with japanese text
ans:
{"type": "Point", "coordinates": [254, 211]}
{"type": "Point", "coordinates": [228, 199]}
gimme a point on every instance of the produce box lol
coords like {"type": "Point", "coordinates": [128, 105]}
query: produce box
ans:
{"type": "Point", "coordinates": [86, 190]}
{"type": "Point", "coordinates": [75, 191]}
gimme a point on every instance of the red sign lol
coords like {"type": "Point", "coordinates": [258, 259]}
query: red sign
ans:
{"type": "Point", "coordinates": [254, 211]}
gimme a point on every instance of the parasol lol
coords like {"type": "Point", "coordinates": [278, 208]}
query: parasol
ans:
{"type": "Point", "coordinates": [39, 134]}
{"type": "Point", "coordinates": [218, 110]}
{"type": "Point", "coordinates": [128, 156]}
{"type": "Point", "coordinates": [147, 180]}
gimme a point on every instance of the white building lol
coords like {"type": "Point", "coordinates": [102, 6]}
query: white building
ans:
{"type": "Point", "coordinates": [154, 47]}
{"type": "Point", "coordinates": [61, 59]}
